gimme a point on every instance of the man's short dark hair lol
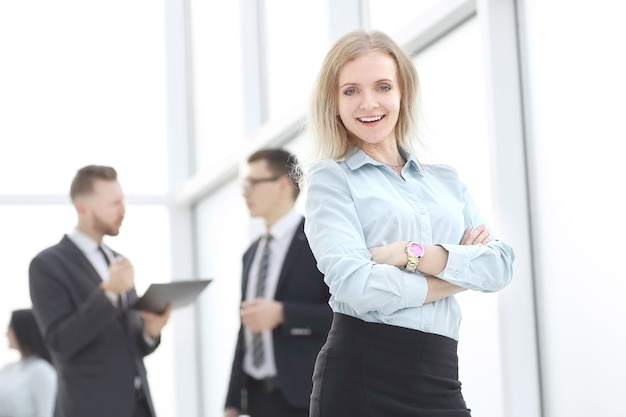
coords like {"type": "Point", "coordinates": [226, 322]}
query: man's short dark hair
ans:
{"type": "Point", "coordinates": [86, 176]}
{"type": "Point", "coordinates": [280, 162]}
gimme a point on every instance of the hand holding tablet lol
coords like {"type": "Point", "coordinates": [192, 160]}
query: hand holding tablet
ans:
{"type": "Point", "coordinates": [176, 294]}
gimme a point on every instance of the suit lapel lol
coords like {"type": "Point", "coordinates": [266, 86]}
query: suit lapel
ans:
{"type": "Point", "coordinates": [247, 264]}
{"type": "Point", "coordinates": [74, 252]}
{"type": "Point", "coordinates": [297, 244]}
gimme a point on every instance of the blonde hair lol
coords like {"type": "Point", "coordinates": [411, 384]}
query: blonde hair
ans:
{"type": "Point", "coordinates": [331, 138]}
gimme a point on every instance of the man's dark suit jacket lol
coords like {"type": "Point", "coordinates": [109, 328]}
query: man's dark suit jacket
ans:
{"type": "Point", "coordinates": [97, 349]}
{"type": "Point", "coordinates": [298, 340]}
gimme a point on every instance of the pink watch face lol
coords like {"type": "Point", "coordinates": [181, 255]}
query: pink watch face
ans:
{"type": "Point", "coordinates": [416, 249]}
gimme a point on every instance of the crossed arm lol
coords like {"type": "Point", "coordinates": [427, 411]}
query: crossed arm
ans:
{"type": "Point", "coordinates": [433, 261]}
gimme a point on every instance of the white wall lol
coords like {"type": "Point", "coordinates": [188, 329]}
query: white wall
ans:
{"type": "Point", "coordinates": [575, 87]}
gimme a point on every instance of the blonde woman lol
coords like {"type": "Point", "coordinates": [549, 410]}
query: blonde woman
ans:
{"type": "Point", "coordinates": [394, 238]}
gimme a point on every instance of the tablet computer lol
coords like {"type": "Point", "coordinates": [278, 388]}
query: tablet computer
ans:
{"type": "Point", "coordinates": [176, 294]}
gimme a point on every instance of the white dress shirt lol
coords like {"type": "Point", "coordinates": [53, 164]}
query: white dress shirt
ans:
{"type": "Point", "coordinates": [89, 247]}
{"type": "Point", "coordinates": [282, 233]}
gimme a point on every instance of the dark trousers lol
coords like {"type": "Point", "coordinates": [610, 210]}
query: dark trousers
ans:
{"type": "Point", "coordinates": [377, 370]}
{"type": "Point", "coordinates": [266, 400]}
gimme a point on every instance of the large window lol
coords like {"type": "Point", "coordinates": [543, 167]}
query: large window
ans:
{"type": "Point", "coordinates": [455, 130]}
{"type": "Point", "coordinates": [392, 16]}
{"type": "Point", "coordinates": [455, 127]}
{"type": "Point", "coordinates": [83, 83]}
{"type": "Point", "coordinates": [293, 49]}
{"type": "Point", "coordinates": [218, 113]}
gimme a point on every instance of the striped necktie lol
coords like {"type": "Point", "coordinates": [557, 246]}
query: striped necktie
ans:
{"type": "Point", "coordinates": [258, 350]}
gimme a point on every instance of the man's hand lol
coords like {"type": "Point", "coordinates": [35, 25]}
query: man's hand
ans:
{"type": "Point", "coordinates": [231, 412]}
{"type": "Point", "coordinates": [261, 314]}
{"type": "Point", "coordinates": [121, 276]}
{"type": "Point", "coordinates": [154, 323]}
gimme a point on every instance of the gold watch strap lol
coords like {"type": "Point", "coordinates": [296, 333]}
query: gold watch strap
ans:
{"type": "Point", "coordinates": [413, 260]}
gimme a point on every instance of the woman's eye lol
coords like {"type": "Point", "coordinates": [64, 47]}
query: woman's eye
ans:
{"type": "Point", "coordinates": [350, 92]}
{"type": "Point", "coordinates": [384, 88]}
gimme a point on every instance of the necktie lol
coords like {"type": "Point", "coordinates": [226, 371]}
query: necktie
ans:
{"type": "Point", "coordinates": [106, 258]}
{"type": "Point", "coordinates": [258, 351]}
{"type": "Point", "coordinates": [121, 300]}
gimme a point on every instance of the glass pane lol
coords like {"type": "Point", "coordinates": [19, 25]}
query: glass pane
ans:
{"type": "Point", "coordinates": [82, 83]}
{"type": "Point", "coordinates": [455, 128]}
{"type": "Point", "coordinates": [295, 47]}
{"type": "Point", "coordinates": [392, 16]}
{"type": "Point", "coordinates": [144, 239]}
{"type": "Point", "coordinates": [217, 81]}
{"type": "Point", "coordinates": [224, 231]}
{"type": "Point", "coordinates": [454, 112]}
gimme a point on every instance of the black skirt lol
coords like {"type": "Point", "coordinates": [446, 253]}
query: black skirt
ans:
{"type": "Point", "coordinates": [377, 370]}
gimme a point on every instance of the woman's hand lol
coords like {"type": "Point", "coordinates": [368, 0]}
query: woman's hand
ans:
{"type": "Point", "coordinates": [390, 254]}
{"type": "Point", "coordinates": [475, 236]}
{"type": "Point", "coordinates": [434, 261]}
{"type": "Point", "coordinates": [395, 254]}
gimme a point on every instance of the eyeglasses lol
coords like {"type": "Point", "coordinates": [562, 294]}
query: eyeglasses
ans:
{"type": "Point", "coordinates": [249, 183]}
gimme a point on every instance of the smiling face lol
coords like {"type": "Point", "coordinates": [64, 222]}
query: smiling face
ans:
{"type": "Point", "coordinates": [369, 99]}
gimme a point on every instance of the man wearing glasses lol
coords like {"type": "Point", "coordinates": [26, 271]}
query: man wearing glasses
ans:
{"type": "Point", "coordinates": [285, 315]}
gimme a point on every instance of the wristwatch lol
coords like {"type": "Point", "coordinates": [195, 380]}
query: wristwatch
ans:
{"type": "Point", "coordinates": [414, 252]}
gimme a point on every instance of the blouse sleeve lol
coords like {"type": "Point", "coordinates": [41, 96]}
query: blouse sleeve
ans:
{"type": "Point", "coordinates": [486, 268]}
{"type": "Point", "coordinates": [45, 389]}
{"type": "Point", "coordinates": [336, 237]}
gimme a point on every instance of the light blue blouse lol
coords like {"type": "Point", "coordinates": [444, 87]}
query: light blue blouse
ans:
{"type": "Point", "coordinates": [359, 203]}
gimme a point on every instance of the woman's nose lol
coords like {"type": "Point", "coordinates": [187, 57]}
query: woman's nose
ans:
{"type": "Point", "coordinates": [368, 101]}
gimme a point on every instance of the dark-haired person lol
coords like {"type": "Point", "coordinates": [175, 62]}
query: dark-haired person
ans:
{"type": "Point", "coordinates": [81, 291]}
{"type": "Point", "coordinates": [285, 315]}
{"type": "Point", "coordinates": [27, 387]}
